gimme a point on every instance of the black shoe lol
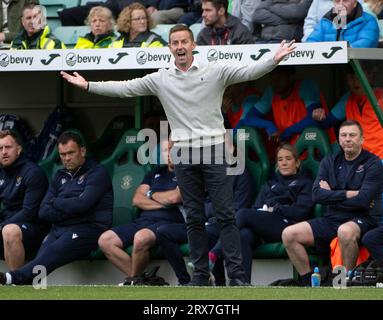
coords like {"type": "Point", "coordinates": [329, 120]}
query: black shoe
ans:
{"type": "Point", "coordinates": [236, 282]}
{"type": "Point", "coordinates": [3, 279]}
{"type": "Point", "coordinates": [133, 281]}
{"type": "Point", "coordinates": [286, 283]}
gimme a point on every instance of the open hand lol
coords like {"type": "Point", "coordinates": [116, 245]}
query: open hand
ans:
{"type": "Point", "coordinates": [284, 50]}
{"type": "Point", "coordinates": [76, 80]}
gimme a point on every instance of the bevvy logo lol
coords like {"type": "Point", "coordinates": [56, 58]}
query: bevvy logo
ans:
{"type": "Point", "coordinates": [6, 60]}
{"type": "Point", "coordinates": [142, 57]}
{"type": "Point", "coordinates": [72, 59]}
{"type": "Point", "coordinates": [214, 55]}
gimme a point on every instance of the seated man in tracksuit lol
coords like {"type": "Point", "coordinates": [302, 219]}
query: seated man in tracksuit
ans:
{"type": "Point", "coordinates": [22, 187]}
{"type": "Point", "coordinates": [350, 183]}
{"type": "Point", "coordinates": [170, 236]}
{"type": "Point", "coordinates": [158, 198]}
{"type": "Point", "coordinates": [78, 203]}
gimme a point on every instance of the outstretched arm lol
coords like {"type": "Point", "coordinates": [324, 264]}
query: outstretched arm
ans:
{"type": "Point", "coordinates": [76, 80]}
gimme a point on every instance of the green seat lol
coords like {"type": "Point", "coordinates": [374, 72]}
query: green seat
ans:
{"type": "Point", "coordinates": [196, 28]}
{"type": "Point", "coordinates": [127, 175]}
{"type": "Point", "coordinates": [163, 30]}
{"type": "Point", "coordinates": [69, 35]}
{"type": "Point", "coordinates": [52, 163]}
{"type": "Point", "coordinates": [256, 159]}
{"type": "Point", "coordinates": [54, 22]}
{"type": "Point", "coordinates": [107, 142]}
{"type": "Point", "coordinates": [53, 6]}
{"type": "Point", "coordinates": [316, 143]}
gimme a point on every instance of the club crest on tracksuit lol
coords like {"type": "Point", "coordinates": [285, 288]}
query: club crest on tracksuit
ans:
{"type": "Point", "coordinates": [18, 181]}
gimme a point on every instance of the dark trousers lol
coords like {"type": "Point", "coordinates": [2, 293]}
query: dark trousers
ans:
{"type": "Point", "coordinates": [256, 225]}
{"type": "Point", "coordinates": [170, 236]}
{"type": "Point", "coordinates": [193, 180]}
{"type": "Point", "coordinates": [60, 247]}
{"type": "Point", "coordinates": [373, 241]}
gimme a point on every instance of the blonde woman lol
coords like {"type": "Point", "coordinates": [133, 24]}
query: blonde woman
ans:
{"type": "Point", "coordinates": [134, 25]}
{"type": "Point", "coordinates": [101, 35]}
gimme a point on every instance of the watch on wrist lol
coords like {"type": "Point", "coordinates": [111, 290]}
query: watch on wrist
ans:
{"type": "Point", "coordinates": [149, 194]}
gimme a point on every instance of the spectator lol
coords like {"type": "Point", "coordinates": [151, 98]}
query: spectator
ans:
{"type": "Point", "coordinates": [35, 33]}
{"type": "Point", "coordinates": [193, 14]}
{"type": "Point", "coordinates": [292, 103]}
{"type": "Point", "coordinates": [221, 28]}
{"type": "Point", "coordinates": [244, 10]}
{"type": "Point", "coordinates": [279, 20]}
{"type": "Point", "coordinates": [374, 8]}
{"type": "Point", "coordinates": [185, 91]}
{"type": "Point", "coordinates": [170, 236]}
{"type": "Point", "coordinates": [166, 11]}
{"type": "Point", "coordinates": [317, 10]}
{"type": "Point", "coordinates": [350, 183]}
{"type": "Point", "coordinates": [347, 22]}
{"type": "Point", "coordinates": [282, 201]}
{"type": "Point", "coordinates": [76, 16]}
{"type": "Point", "coordinates": [158, 198]}
{"type": "Point", "coordinates": [22, 187]}
{"type": "Point", "coordinates": [133, 24]}
{"type": "Point", "coordinates": [79, 204]}
{"type": "Point", "coordinates": [10, 18]}
{"type": "Point", "coordinates": [354, 105]}
{"type": "Point", "coordinates": [237, 102]}
{"type": "Point", "coordinates": [101, 35]}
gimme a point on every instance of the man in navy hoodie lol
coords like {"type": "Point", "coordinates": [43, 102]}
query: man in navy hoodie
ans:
{"type": "Point", "coordinates": [350, 184]}
{"type": "Point", "coordinates": [22, 187]}
{"type": "Point", "coordinates": [79, 205]}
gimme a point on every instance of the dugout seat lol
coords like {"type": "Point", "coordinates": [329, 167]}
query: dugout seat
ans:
{"type": "Point", "coordinates": [256, 158]}
{"type": "Point", "coordinates": [127, 175]}
{"type": "Point", "coordinates": [107, 142]}
{"type": "Point", "coordinates": [70, 34]}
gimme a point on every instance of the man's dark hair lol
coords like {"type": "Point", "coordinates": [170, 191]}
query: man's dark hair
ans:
{"type": "Point", "coordinates": [181, 27]}
{"type": "Point", "coordinates": [67, 136]}
{"type": "Point", "coordinates": [218, 4]}
{"type": "Point", "coordinates": [13, 134]}
{"type": "Point", "coordinates": [28, 6]}
{"type": "Point", "coordinates": [349, 123]}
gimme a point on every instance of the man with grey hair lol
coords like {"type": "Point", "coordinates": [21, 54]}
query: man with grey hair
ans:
{"type": "Point", "coordinates": [35, 33]}
{"type": "Point", "coordinates": [347, 21]}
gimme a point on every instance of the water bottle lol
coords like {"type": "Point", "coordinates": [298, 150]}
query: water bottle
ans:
{"type": "Point", "coordinates": [315, 278]}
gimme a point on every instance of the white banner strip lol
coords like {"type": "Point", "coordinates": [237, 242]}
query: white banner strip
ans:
{"type": "Point", "coordinates": [154, 58]}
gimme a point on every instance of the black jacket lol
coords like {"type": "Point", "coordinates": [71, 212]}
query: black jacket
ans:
{"type": "Point", "coordinates": [365, 175]}
{"type": "Point", "coordinates": [83, 197]}
{"type": "Point", "coordinates": [290, 196]}
{"type": "Point", "coordinates": [22, 187]}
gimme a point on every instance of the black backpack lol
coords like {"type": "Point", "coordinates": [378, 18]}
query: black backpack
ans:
{"type": "Point", "coordinates": [368, 273]}
{"type": "Point", "coordinates": [149, 278]}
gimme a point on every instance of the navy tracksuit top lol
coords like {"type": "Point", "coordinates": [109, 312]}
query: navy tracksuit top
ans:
{"type": "Point", "coordinates": [22, 187]}
{"type": "Point", "coordinates": [83, 197]}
